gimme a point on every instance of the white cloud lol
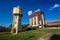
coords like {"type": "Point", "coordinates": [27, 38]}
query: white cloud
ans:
{"type": "Point", "coordinates": [29, 12]}
{"type": "Point", "coordinates": [55, 6]}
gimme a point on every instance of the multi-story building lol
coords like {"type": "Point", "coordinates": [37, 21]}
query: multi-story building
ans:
{"type": "Point", "coordinates": [37, 19]}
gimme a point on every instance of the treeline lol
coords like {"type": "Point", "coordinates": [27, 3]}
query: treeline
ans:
{"type": "Point", "coordinates": [25, 27]}
{"type": "Point", "coordinates": [4, 29]}
{"type": "Point", "coordinates": [8, 29]}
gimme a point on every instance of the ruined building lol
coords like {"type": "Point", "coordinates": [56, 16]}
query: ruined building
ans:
{"type": "Point", "coordinates": [37, 19]}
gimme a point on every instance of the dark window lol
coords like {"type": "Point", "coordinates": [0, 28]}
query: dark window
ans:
{"type": "Point", "coordinates": [39, 17]}
{"type": "Point", "coordinates": [14, 30]}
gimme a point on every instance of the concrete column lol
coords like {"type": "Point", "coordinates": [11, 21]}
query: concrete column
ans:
{"type": "Point", "coordinates": [33, 21]}
{"type": "Point", "coordinates": [43, 20]}
{"type": "Point", "coordinates": [37, 20]}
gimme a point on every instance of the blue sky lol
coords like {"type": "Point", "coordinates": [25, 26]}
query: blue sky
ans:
{"type": "Point", "coordinates": [51, 9]}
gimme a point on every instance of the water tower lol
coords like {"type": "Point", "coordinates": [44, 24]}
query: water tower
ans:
{"type": "Point", "coordinates": [17, 16]}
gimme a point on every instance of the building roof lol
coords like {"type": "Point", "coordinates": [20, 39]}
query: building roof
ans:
{"type": "Point", "coordinates": [57, 22]}
{"type": "Point", "coordinates": [37, 12]}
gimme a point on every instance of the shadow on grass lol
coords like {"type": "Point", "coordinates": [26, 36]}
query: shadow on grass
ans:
{"type": "Point", "coordinates": [55, 37]}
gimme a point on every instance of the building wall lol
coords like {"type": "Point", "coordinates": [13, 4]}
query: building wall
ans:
{"type": "Point", "coordinates": [15, 23]}
{"type": "Point", "coordinates": [37, 20]}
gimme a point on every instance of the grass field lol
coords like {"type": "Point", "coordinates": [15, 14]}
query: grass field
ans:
{"type": "Point", "coordinates": [28, 35]}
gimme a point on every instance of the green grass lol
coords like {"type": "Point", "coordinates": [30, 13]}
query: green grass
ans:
{"type": "Point", "coordinates": [28, 35]}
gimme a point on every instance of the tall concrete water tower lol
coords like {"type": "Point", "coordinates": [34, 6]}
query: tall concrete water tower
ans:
{"type": "Point", "coordinates": [17, 16]}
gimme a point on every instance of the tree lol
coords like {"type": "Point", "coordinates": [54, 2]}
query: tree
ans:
{"type": "Point", "coordinates": [10, 26]}
{"type": "Point", "coordinates": [25, 25]}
